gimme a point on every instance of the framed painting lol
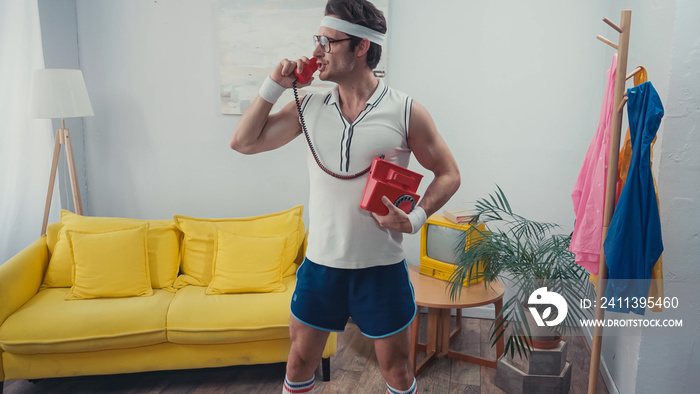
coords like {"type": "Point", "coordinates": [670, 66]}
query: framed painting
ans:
{"type": "Point", "coordinates": [255, 35]}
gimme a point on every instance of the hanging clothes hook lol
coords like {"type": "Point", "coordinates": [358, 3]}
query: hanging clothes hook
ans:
{"type": "Point", "coordinates": [612, 24]}
{"type": "Point", "coordinates": [622, 103]}
{"type": "Point", "coordinates": [633, 73]}
{"type": "Point", "coordinates": [605, 40]}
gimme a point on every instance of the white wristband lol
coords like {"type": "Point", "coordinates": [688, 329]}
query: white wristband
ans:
{"type": "Point", "coordinates": [270, 90]}
{"type": "Point", "coordinates": [417, 217]}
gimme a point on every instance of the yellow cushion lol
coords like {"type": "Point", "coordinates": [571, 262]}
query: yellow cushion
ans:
{"type": "Point", "coordinates": [48, 323]}
{"type": "Point", "coordinates": [110, 264]}
{"type": "Point", "coordinates": [247, 264]}
{"type": "Point", "coordinates": [199, 241]}
{"type": "Point", "coordinates": [163, 248]}
{"type": "Point", "coordinates": [52, 235]}
{"type": "Point", "coordinates": [197, 318]}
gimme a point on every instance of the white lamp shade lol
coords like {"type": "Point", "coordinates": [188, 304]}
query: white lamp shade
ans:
{"type": "Point", "coordinates": [59, 93]}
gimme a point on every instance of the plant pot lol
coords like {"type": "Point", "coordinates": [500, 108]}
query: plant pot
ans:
{"type": "Point", "coordinates": [548, 343]}
{"type": "Point", "coordinates": [542, 337]}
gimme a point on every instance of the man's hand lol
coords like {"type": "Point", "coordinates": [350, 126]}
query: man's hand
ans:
{"type": "Point", "coordinates": [396, 219]}
{"type": "Point", "coordinates": [283, 73]}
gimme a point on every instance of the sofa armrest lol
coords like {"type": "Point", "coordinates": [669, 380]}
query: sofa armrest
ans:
{"type": "Point", "coordinates": [21, 276]}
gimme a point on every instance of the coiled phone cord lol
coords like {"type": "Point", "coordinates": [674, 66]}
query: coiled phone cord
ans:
{"type": "Point", "coordinates": [311, 147]}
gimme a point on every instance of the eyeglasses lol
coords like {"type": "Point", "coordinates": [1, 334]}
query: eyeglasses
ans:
{"type": "Point", "coordinates": [325, 42]}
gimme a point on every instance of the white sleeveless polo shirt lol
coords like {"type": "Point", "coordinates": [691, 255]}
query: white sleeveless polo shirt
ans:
{"type": "Point", "coordinates": [341, 234]}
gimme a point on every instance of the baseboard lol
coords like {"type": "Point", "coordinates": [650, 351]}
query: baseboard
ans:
{"type": "Point", "coordinates": [607, 377]}
{"type": "Point", "coordinates": [480, 312]}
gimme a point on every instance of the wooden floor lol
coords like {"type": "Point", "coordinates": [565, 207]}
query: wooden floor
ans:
{"type": "Point", "coordinates": [353, 370]}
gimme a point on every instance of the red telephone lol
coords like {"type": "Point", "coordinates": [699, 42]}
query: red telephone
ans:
{"type": "Point", "coordinates": [308, 71]}
{"type": "Point", "coordinates": [397, 183]}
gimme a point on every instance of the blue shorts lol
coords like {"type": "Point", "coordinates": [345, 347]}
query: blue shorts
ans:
{"type": "Point", "coordinates": [380, 300]}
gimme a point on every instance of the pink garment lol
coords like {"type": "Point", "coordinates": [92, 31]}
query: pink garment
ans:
{"type": "Point", "coordinates": [589, 191]}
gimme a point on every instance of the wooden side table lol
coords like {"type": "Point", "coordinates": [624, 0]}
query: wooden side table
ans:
{"type": "Point", "coordinates": [434, 294]}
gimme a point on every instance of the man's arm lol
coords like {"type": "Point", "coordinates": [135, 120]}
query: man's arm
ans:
{"type": "Point", "coordinates": [432, 152]}
{"type": "Point", "coordinates": [258, 131]}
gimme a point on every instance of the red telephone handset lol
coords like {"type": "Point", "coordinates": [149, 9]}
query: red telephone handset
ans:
{"type": "Point", "coordinates": [308, 71]}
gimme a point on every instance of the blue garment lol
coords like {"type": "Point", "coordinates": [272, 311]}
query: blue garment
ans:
{"type": "Point", "coordinates": [633, 244]}
{"type": "Point", "coordinates": [379, 299]}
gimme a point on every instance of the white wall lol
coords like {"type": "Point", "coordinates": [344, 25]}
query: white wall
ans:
{"type": "Point", "coordinates": [677, 359]}
{"type": "Point", "coordinates": [158, 146]}
{"type": "Point", "coordinates": [514, 87]}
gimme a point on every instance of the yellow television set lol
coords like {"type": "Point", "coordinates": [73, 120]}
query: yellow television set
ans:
{"type": "Point", "coordinates": [440, 237]}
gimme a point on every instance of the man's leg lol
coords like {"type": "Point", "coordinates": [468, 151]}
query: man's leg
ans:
{"type": "Point", "coordinates": [383, 307]}
{"type": "Point", "coordinates": [304, 356]}
{"type": "Point", "coordinates": [393, 354]}
{"type": "Point", "coordinates": [319, 300]}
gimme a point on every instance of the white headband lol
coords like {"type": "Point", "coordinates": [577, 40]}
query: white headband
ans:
{"type": "Point", "coordinates": [353, 29]}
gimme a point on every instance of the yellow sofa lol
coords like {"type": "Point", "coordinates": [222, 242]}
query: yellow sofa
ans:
{"type": "Point", "coordinates": [51, 327]}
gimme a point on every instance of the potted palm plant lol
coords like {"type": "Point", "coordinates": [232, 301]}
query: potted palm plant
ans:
{"type": "Point", "coordinates": [526, 255]}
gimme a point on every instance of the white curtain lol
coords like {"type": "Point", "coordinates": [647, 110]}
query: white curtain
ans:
{"type": "Point", "coordinates": [26, 145]}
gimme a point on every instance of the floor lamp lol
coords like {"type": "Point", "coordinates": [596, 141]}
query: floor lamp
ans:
{"type": "Point", "coordinates": [60, 93]}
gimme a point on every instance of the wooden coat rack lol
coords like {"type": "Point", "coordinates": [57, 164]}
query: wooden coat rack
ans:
{"type": "Point", "coordinates": [619, 100]}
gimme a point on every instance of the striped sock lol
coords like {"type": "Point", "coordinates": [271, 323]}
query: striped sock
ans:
{"type": "Point", "coordinates": [298, 387]}
{"type": "Point", "coordinates": [412, 390]}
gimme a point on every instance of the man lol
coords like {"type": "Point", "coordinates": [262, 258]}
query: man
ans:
{"type": "Point", "coordinates": [355, 265]}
